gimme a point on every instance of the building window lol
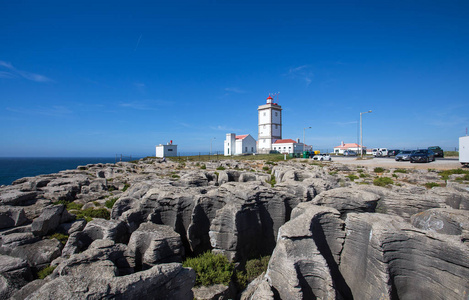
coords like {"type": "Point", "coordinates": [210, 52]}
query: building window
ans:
{"type": "Point", "coordinates": [252, 149]}
{"type": "Point", "coordinates": [170, 149]}
{"type": "Point", "coordinates": [264, 114]}
{"type": "Point", "coordinates": [245, 149]}
{"type": "Point", "coordinates": [276, 126]}
{"type": "Point", "coordinates": [275, 113]}
{"type": "Point", "coordinates": [228, 151]}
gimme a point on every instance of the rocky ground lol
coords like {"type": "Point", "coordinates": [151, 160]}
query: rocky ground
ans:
{"type": "Point", "coordinates": [333, 230]}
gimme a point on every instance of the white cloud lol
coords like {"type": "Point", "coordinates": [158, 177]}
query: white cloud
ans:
{"type": "Point", "coordinates": [302, 73]}
{"type": "Point", "coordinates": [14, 73]}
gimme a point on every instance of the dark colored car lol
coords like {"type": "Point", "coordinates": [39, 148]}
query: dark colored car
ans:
{"type": "Point", "coordinates": [403, 155]}
{"type": "Point", "coordinates": [350, 153]}
{"type": "Point", "coordinates": [422, 155]}
{"type": "Point", "coordinates": [393, 152]}
{"type": "Point", "coordinates": [437, 150]}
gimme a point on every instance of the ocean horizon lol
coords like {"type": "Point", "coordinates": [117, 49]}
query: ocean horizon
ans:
{"type": "Point", "coordinates": [13, 168]}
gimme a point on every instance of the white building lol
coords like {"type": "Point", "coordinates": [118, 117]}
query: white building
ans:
{"type": "Point", "coordinates": [348, 146]}
{"type": "Point", "coordinates": [166, 150]}
{"type": "Point", "coordinates": [290, 146]}
{"type": "Point", "coordinates": [270, 125]}
{"type": "Point", "coordinates": [239, 144]}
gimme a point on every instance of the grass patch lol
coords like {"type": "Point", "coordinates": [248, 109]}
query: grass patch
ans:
{"type": "Point", "coordinates": [364, 175]}
{"type": "Point", "coordinates": [62, 238]}
{"type": "Point", "coordinates": [90, 213]}
{"type": "Point", "coordinates": [203, 167]}
{"type": "Point", "coordinates": [333, 173]}
{"type": "Point", "coordinates": [272, 181]}
{"type": "Point", "coordinates": [125, 188]}
{"type": "Point", "coordinates": [446, 173]}
{"type": "Point", "coordinates": [43, 273]}
{"type": "Point", "coordinates": [210, 269]}
{"type": "Point", "coordinates": [110, 203]}
{"type": "Point", "coordinates": [253, 268]}
{"type": "Point", "coordinates": [400, 171]}
{"type": "Point", "coordinates": [451, 153]}
{"type": "Point", "coordinates": [175, 176]}
{"type": "Point", "coordinates": [383, 181]}
{"type": "Point", "coordinates": [430, 185]}
{"type": "Point", "coordinates": [352, 177]}
{"type": "Point", "coordinates": [378, 170]}
{"type": "Point", "coordinates": [221, 168]}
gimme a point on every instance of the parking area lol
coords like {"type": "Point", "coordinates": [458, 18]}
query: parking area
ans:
{"type": "Point", "coordinates": [389, 162]}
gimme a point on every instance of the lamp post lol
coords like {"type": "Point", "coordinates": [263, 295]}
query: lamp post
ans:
{"type": "Point", "coordinates": [361, 132]}
{"type": "Point", "coordinates": [304, 140]}
{"type": "Point", "coordinates": [211, 145]}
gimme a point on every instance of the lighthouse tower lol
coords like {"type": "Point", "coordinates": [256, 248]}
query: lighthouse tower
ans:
{"type": "Point", "coordinates": [270, 125]}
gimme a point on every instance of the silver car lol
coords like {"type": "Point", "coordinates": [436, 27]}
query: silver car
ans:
{"type": "Point", "coordinates": [403, 155]}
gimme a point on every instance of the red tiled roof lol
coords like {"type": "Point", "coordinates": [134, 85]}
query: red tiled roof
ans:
{"type": "Point", "coordinates": [284, 141]}
{"type": "Point", "coordinates": [348, 145]}
{"type": "Point", "coordinates": [240, 137]}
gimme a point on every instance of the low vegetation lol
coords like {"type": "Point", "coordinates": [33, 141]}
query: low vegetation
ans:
{"type": "Point", "coordinates": [90, 213]}
{"type": "Point", "coordinates": [126, 186]}
{"type": "Point", "coordinates": [272, 181]}
{"type": "Point", "coordinates": [400, 171]}
{"type": "Point", "coordinates": [62, 238]}
{"type": "Point", "coordinates": [446, 173]}
{"type": "Point", "coordinates": [210, 269]}
{"type": "Point", "coordinates": [110, 203]}
{"type": "Point", "coordinates": [430, 185]}
{"type": "Point", "coordinates": [383, 181]}
{"type": "Point", "coordinates": [378, 170]}
{"type": "Point", "coordinates": [253, 269]}
{"type": "Point", "coordinates": [352, 177]}
{"type": "Point", "coordinates": [43, 273]}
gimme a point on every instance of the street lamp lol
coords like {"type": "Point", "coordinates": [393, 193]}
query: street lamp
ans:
{"type": "Point", "coordinates": [211, 145]}
{"type": "Point", "coordinates": [304, 141]}
{"type": "Point", "coordinates": [361, 132]}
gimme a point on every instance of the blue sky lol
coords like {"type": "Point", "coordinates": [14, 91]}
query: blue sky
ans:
{"type": "Point", "coordinates": [99, 78]}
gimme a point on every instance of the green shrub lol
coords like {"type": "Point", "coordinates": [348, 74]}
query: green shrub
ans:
{"type": "Point", "coordinates": [429, 185]}
{"type": "Point", "coordinates": [265, 168]}
{"type": "Point", "coordinates": [253, 269]}
{"type": "Point", "coordinates": [378, 170]}
{"type": "Point", "coordinates": [465, 177]}
{"type": "Point", "coordinates": [60, 237]}
{"type": "Point", "coordinates": [333, 173]}
{"type": "Point", "coordinates": [352, 177]}
{"type": "Point", "coordinates": [96, 203]}
{"type": "Point", "coordinates": [175, 176]}
{"type": "Point", "coordinates": [382, 181]}
{"type": "Point", "coordinates": [445, 174]}
{"type": "Point", "coordinates": [221, 168]}
{"type": "Point", "coordinates": [272, 181]}
{"type": "Point", "coordinates": [394, 175]}
{"type": "Point", "coordinates": [82, 168]}
{"type": "Point", "coordinates": [203, 167]}
{"type": "Point", "coordinates": [400, 171]}
{"type": "Point", "coordinates": [110, 203]}
{"type": "Point", "coordinates": [74, 206]}
{"type": "Point", "coordinates": [126, 186]}
{"type": "Point", "coordinates": [90, 213]}
{"type": "Point", "coordinates": [364, 175]}
{"type": "Point", "coordinates": [210, 269]}
{"type": "Point", "coordinates": [43, 273]}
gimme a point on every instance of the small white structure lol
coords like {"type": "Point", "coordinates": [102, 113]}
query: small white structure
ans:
{"type": "Point", "coordinates": [166, 150]}
{"type": "Point", "coordinates": [348, 146]}
{"type": "Point", "coordinates": [239, 144]}
{"type": "Point", "coordinates": [290, 146]}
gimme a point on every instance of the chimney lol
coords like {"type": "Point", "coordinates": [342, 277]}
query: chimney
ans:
{"type": "Point", "coordinates": [342, 143]}
{"type": "Point", "coordinates": [298, 140]}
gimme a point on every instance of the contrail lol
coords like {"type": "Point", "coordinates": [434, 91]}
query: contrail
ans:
{"type": "Point", "coordinates": [138, 42]}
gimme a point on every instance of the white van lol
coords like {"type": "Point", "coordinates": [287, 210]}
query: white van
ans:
{"type": "Point", "coordinates": [380, 152]}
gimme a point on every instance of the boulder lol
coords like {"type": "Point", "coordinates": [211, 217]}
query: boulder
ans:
{"type": "Point", "coordinates": [155, 244]}
{"type": "Point", "coordinates": [38, 254]}
{"type": "Point", "coordinates": [50, 219]}
{"type": "Point", "coordinates": [304, 264]}
{"type": "Point", "coordinates": [98, 273]}
{"type": "Point", "coordinates": [96, 229]}
{"type": "Point", "coordinates": [443, 220]}
{"type": "Point", "coordinates": [384, 257]}
{"type": "Point", "coordinates": [14, 274]}
{"type": "Point", "coordinates": [348, 199]}
{"type": "Point", "coordinates": [11, 216]}
{"type": "Point", "coordinates": [13, 196]}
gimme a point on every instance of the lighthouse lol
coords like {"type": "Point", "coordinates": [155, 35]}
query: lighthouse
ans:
{"type": "Point", "coordinates": [270, 125]}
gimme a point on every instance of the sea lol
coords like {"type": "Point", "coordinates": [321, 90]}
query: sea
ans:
{"type": "Point", "coordinates": [12, 168]}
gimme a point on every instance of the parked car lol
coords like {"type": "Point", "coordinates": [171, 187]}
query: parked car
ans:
{"type": "Point", "coordinates": [403, 155]}
{"type": "Point", "coordinates": [350, 153]}
{"type": "Point", "coordinates": [437, 150]}
{"type": "Point", "coordinates": [422, 155]}
{"type": "Point", "coordinates": [323, 156]}
{"type": "Point", "coordinates": [393, 152]}
{"type": "Point", "coordinates": [380, 152]}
